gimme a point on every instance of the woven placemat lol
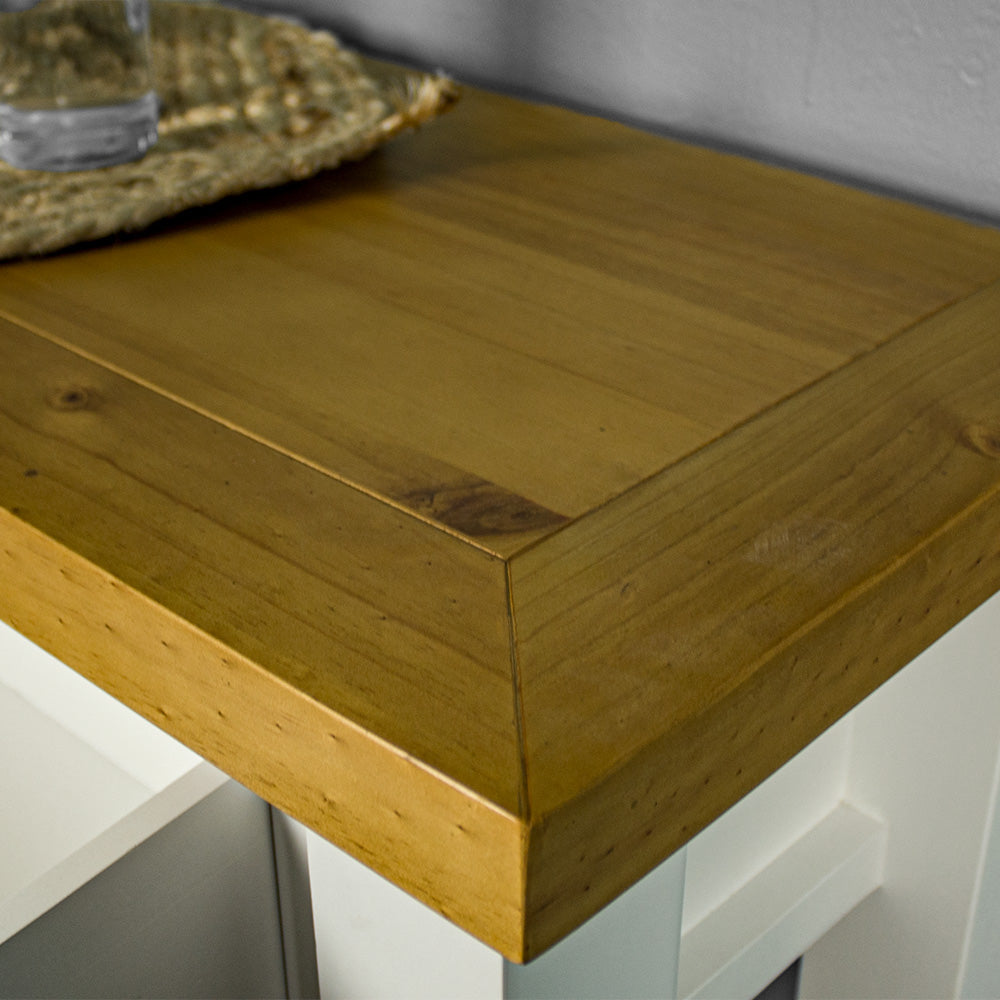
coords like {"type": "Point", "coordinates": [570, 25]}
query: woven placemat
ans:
{"type": "Point", "coordinates": [246, 102]}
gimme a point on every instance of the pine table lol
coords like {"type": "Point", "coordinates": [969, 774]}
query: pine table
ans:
{"type": "Point", "coordinates": [507, 506]}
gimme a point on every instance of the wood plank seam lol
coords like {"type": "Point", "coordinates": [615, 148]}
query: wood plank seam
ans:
{"type": "Point", "coordinates": [776, 404]}
{"type": "Point", "coordinates": [318, 446]}
{"type": "Point", "coordinates": [409, 510]}
{"type": "Point", "coordinates": [524, 791]}
{"type": "Point", "coordinates": [962, 398]}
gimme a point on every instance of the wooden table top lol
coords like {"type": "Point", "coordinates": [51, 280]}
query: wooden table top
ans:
{"type": "Point", "coordinates": [509, 504]}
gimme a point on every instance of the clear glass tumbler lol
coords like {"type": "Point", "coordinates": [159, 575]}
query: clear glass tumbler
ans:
{"type": "Point", "coordinates": [76, 87]}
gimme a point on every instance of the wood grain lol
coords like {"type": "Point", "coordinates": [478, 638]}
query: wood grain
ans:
{"type": "Point", "coordinates": [765, 587]}
{"type": "Point", "coordinates": [358, 606]}
{"type": "Point", "coordinates": [550, 305]}
{"type": "Point", "coordinates": [727, 553]}
{"type": "Point", "coordinates": [457, 852]}
{"type": "Point", "coordinates": [507, 505]}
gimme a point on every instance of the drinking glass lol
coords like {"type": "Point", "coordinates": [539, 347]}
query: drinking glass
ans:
{"type": "Point", "coordinates": [76, 88]}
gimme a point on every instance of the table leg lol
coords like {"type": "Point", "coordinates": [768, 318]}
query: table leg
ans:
{"type": "Point", "coordinates": [375, 941]}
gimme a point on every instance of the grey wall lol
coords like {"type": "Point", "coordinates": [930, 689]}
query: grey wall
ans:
{"type": "Point", "coordinates": [903, 94]}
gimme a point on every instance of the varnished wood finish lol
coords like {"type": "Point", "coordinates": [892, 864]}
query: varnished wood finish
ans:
{"type": "Point", "coordinates": [760, 591]}
{"type": "Point", "coordinates": [507, 505]}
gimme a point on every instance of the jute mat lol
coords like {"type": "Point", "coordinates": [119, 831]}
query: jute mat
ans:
{"type": "Point", "coordinates": [246, 102]}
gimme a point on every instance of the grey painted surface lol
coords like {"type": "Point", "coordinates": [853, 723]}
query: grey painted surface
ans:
{"type": "Point", "coordinates": [192, 912]}
{"type": "Point", "coordinates": [291, 863]}
{"type": "Point", "coordinates": [982, 964]}
{"type": "Point", "coordinates": [901, 94]}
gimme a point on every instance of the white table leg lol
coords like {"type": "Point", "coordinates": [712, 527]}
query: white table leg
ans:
{"type": "Point", "coordinates": [629, 950]}
{"type": "Point", "coordinates": [918, 762]}
{"type": "Point", "coordinates": [925, 756]}
{"type": "Point", "coordinates": [375, 941]}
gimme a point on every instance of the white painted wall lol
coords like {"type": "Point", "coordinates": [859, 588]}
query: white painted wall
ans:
{"type": "Point", "coordinates": [901, 94]}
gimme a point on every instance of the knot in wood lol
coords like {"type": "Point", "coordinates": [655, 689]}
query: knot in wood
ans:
{"type": "Point", "coordinates": [982, 439]}
{"type": "Point", "coordinates": [72, 397]}
{"type": "Point", "coordinates": [476, 508]}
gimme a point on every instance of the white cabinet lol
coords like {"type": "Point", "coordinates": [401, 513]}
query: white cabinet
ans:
{"type": "Point", "coordinates": [875, 854]}
{"type": "Point", "coordinates": [128, 866]}
{"type": "Point", "coordinates": [923, 758]}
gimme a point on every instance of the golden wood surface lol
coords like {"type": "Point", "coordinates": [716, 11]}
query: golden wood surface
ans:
{"type": "Point", "coordinates": [509, 504]}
